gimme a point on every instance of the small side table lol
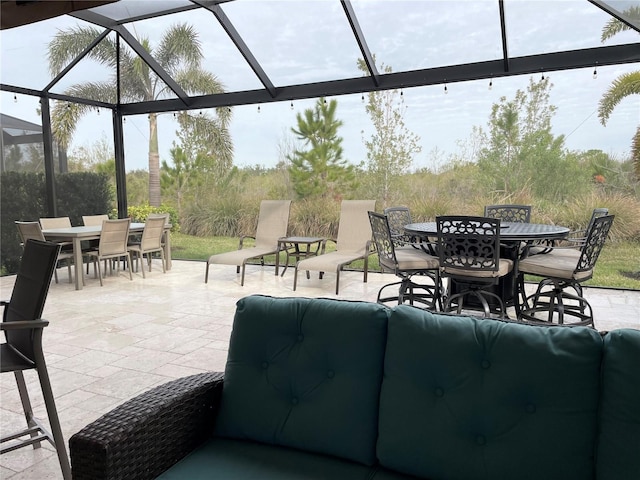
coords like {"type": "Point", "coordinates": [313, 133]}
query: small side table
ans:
{"type": "Point", "coordinates": [291, 246]}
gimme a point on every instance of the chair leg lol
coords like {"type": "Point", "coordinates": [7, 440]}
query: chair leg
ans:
{"type": "Point", "coordinates": [337, 280]}
{"type": "Point", "coordinates": [242, 278]}
{"type": "Point", "coordinates": [52, 415]}
{"type": "Point", "coordinates": [128, 258]}
{"type": "Point", "coordinates": [164, 262]}
{"type": "Point", "coordinates": [26, 405]}
{"type": "Point", "coordinates": [99, 271]}
{"type": "Point", "coordinates": [295, 277]}
{"type": "Point", "coordinates": [140, 256]}
{"type": "Point", "coordinates": [206, 273]}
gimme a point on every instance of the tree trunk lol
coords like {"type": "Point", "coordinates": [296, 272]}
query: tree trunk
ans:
{"type": "Point", "coordinates": [154, 162]}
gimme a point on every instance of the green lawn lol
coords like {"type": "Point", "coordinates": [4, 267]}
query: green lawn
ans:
{"type": "Point", "coordinates": [617, 267]}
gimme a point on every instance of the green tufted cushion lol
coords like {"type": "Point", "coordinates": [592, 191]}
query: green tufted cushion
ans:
{"type": "Point", "coordinates": [305, 373]}
{"type": "Point", "coordinates": [466, 398]}
{"type": "Point", "coordinates": [619, 442]}
{"type": "Point", "coordinates": [227, 459]}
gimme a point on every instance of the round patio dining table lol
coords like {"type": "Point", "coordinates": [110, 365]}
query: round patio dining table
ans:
{"type": "Point", "coordinates": [511, 233]}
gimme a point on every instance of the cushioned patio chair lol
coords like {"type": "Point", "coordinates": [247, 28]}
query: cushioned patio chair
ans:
{"type": "Point", "coordinates": [562, 269]}
{"type": "Point", "coordinates": [399, 217]}
{"type": "Point", "coordinates": [405, 262]}
{"type": "Point", "coordinates": [273, 223]}
{"type": "Point", "coordinates": [23, 328]}
{"type": "Point", "coordinates": [352, 243]}
{"type": "Point", "coordinates": [469, 252]}
{"type": "Point", "coordinates": [577, 238]}
{"type": "Point", "coordinates": [509, 213]}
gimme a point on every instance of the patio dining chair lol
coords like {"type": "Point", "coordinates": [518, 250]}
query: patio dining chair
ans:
{"type": "Point", "coordinates": [23, 328]}
{"type": "Point", "coordinates": [509, 213]}
{"type": "Point", "coordinates": [112, 245]}
{"type": "Point", "coordinates": [150, 242]}
{"type": "Point", "coordinates": [562, 270]}
{"type": "Point", "coordinates": [469, 253]}
{"type": "Point", "coordinates": [352, 243]}
{"type": "Point", "coordinates": [405, 263]}
{"type": "Point", "coordinates": [273, 223]}
{"type": "Point", "coordinates": [94, 220]}
{"type": "Point", "coordinates": [399, 217]}
{"type": "Point", "coordinates": [32, 230]}
{"type": "Point", "coordinates": [576, 238]}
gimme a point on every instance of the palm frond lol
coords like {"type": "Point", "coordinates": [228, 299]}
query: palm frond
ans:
{"type": "Point", "coordinates": [623, 86]}
{"type": "Point", "coordinates": [615, 26]}
{"type": "Point", "coordinates": [179, 46]}
{"type": "Point", "coordinates": [68, 44]}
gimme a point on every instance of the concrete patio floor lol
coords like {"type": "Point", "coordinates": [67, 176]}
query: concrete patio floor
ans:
{"type": "Point", "coordinates": [107, 344]}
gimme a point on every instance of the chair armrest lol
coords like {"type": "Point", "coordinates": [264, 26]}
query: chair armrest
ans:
{"type": "Point", "coordinates": [241, 241]}
{"type": "Point", "coordinates": [24, 324]}
{"type": "Point", "coordinates": [146, 435]}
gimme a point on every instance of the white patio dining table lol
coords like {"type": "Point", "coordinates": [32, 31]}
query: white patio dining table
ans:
{"type": "Point", "coordinates": [77, 234]}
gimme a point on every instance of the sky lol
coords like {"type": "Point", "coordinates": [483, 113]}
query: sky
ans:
{"type": "Point", "coordinates": [307, 41]}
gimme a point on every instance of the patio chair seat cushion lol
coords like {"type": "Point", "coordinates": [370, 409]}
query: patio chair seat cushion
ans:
{"type": "Point", "coordinates": [307, 378]}
{"type": "Point", "coordinates": [462, 397]}
{"type": "Point", "coordinates": [504, 267]}
{"type": "Point", "coordinates": [330, 262]}
{"type": "Point", "coordinates": [238, 257]}
{"type": "Point", "coordinates": [235, 459]}
{"type": "Point", "coordinates": [414, 259]}
{"type": "Point", "coordinates": [555, 264]}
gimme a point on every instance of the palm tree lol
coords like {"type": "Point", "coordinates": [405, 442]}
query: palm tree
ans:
{"type": "Point", "coordinates": [623, 86]}
{"type": "Point", "coordinates": [178, 52]}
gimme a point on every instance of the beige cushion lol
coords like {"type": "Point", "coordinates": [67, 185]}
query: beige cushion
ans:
{"type": "Point", "coordinates": [504, 267]}
{"type": "Point", "coordinates": [414, 259]}
{"type": "Point", "coordinates": [556, 264]}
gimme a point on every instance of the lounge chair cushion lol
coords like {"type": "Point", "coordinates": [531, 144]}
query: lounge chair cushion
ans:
{"type": "Point", "coordinates": [297, 380]}
{"type": "Point", "coordinates": [462, 397]}
{"type": "Point", "coordinates": [238, 257]}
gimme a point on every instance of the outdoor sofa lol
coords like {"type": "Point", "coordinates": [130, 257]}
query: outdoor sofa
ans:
{"type": "Point", "coordinates": [333, 389]}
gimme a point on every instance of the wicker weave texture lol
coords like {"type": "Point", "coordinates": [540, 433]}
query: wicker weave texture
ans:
{"type": "Point", "coordinates": [146, 435]}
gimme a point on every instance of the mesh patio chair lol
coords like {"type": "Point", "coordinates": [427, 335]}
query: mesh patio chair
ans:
{"type": "Point", "coordinates": [151, 242]}
{"type": "Point", "coordinates": [55, 222]}
{"type": "Point", "coordinates": [112, 245]}
{"type": "Point", "coordinates": [23, 328]}
{"type": "Point", "coordinates": [352, 243]}
{"type": "Point", "coordinates": [273, 223]}
{"type": "Point", "coordinates": [405, 263]}
{"type": "Point", "coordinates": [469, 252]}
{"type": "Point", "coordinates": [94, 220]}
{"type": "Point", "coordinates": [32, 230]}
{"type": "Point", "coordinates": [562, 271]}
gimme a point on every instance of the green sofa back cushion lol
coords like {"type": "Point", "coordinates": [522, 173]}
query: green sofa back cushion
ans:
{"type": "Point", "coordinates": [305, 373]}
{"type": "Point", "coordinates": [618, 454]}
{"type": "Point", "coordinates": [466, 398]}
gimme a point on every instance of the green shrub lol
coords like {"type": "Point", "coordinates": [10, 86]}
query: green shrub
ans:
{"type": "Point", "coordinates": [139, 214]}
{"type": "Point", "coordinates": [24, 196]}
